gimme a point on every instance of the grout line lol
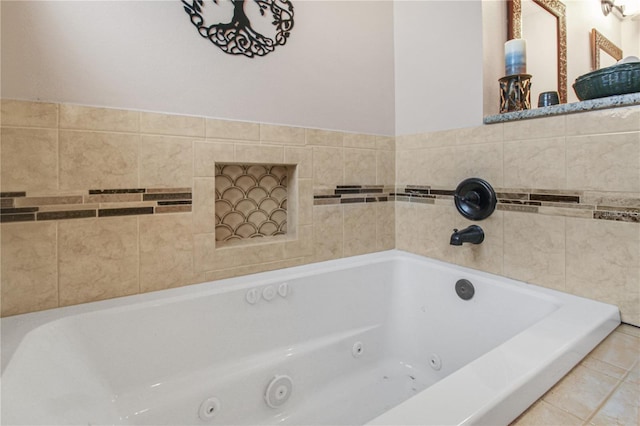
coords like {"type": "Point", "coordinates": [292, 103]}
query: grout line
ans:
{"type": "Point", "coordinates": [139, 252]}
{"type": "Point", "coordinates": [139, 147]}
{"type": "Point", "coordinates": [57, 263]}
{"type": "Point", "coordinates": [602, 403]}
{"type": "Point", "coordinates": [58, 173]}
{"type": "Point", "coordinates": [606, 398]}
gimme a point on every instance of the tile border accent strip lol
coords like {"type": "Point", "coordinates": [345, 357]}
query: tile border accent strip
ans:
{"type": "Point", "coordinates": [571, 203]}
{"type": "Point", "coordinates": [18, 207]}
{"type": "Point", "coordinates": [352, 194]}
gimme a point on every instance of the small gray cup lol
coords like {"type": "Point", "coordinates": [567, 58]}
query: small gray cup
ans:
{"type": "Point", "coordinates": [548, 98]}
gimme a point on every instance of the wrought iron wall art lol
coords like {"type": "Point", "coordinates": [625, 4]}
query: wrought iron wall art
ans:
{"type": "Point", "coordinates": [239, 36]}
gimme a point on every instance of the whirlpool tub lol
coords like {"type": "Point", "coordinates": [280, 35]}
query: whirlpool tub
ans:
{"type": "Point", "coordinates": [376, 339]}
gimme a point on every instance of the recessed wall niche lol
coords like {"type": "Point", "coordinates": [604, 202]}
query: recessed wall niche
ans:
{"type": "Point", "coordinates": [252, 201]}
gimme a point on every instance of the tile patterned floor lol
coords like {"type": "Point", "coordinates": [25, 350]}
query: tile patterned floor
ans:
{"type": "Point", "coordinates": [603, 390]}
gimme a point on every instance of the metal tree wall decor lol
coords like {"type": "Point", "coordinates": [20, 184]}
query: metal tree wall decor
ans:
{"type": "Point", "coordinates": [239, 37]}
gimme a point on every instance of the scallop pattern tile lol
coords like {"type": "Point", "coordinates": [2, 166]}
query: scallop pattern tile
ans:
{"type": "Point", "coordinates": [251, 201]}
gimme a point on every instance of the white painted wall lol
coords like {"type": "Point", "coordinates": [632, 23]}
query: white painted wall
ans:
{"type": "Point", "coordinates": [631, 37]}
{"type": "Point", "coordinates": [438, 65]}
{"type": "Point", "coordinates": [494, 35]}
{"type": "Point", "coordinates": [365, 66]}
{"type": "Point", "coordinates": [335, 72]}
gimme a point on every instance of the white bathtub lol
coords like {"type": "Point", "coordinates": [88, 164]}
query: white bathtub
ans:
{"type": "Point", "coordinates": [378, 339]}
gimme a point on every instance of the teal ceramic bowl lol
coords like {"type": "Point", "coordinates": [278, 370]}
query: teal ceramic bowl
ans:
{"type": "Point", "coordinates": [617, 79]}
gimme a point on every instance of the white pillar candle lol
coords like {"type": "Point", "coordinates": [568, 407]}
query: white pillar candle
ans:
{"type": "Point", "coordinates": [515, 57]}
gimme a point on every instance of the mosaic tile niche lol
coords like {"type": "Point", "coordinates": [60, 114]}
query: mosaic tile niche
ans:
{"type": "Point", "coordinates": [251, 201]}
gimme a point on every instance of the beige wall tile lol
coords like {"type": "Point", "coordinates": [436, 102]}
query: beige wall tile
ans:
{"type": "Point", "coordinates": [91, 160]}
{"type": "Point", "coordinates": [613, 120]}
{"type": "Point", "coordinates": [406, 227]}
{"type": "Point", "coordinates": [359, 228]}
{"type": "Point", "coordinates": [534, 249]}
{"type": "Point", "coordinates": [435, 224]}
{"type": "Point", "coordinates": [246, 255]}
{"type": "Point", "coordinates": [222, 274]}
{"type": "Point", "coordinates": [604, 162]}
{"type": "Point", "coordinates": [447, 167]}
{"type": "Point", "coordinates": [166, 251]}
{"type": "Point", "coordinates": [282, 134]}
{"type": "Point", "coordinates": [327, 232]}
{"type": "Point", "coordinates": [630, 306]}
{"type": "Point", "coordinates": [357, 140]}
{"type": "Point", "coordinates": [327, 167]}
{"type": "Point", "coordinates": [538, 163]}
{"type": "Point", "coordinates": [385, 226]}
{"type": "Point", "coordinates": [629, 330]}
{"type": "Point", "coordinates": [415, 141]}
{"type": "Point", "coordinates": [206, 154]}
{"type": "Point", "coordinates": [204, 247]}
{"type": "Point", "coordinates": [359, 166]}
{"type": "Point", "coordinates": [386, 143]}
{"type": "Point", "coordinates": [480, 134]}
{"type": "Point", "coordinates": [305, 201]}
{"type": "Point", "coordinates": [29, 267]}
{"type": "Point", "coordinates": [302, 245]}
{"type": "Point", "coordinates": [253, 269]}
{"type": "Point", "coordinates": [174, 125]}
{"type": "Point", "coordinates": [226, 129]}
{"type": "Point", "coordinates": [430, 235]}
{"type": "Point", "coordinates": [91, 118]}
{"type": "Point", "coordinates": [204, 197]}
{"type": "Point", "coordinates": [412, 167]}
{"type": "Point", "coordinates": [29, 160]}
{"type": "Point", "coordinates": [165, 161]}
{"type": "Point", "coordinates": [440, 139]}
{"type": "Point", "coordinates": [28, 114]}
{"type": "Point", "coordinates": [602, 260]}
{"type": "Point", "coordinates": [302, 158]}
{"type": "Point", "coordinates": [324, 137]}
{"type": "Point", "coordinates": [568, 212]}
{"type": "Point", "coordinates": [293, 204]}
{"type": "Point", "coordinates": [488, 255]}
{"type": "Point", "coordinates": [97, 259]}
{"type": "Point", "coordinates": [545, 127]}
{"type": "Point", "coordinates": [262, 154]}
{"type": "Point", "coordinates": [385, 167]}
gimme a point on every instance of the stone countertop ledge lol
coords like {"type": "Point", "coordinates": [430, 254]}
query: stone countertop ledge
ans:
{"type": "Point", "coordinates": [590, 105]}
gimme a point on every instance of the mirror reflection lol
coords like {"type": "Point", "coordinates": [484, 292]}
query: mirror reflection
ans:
{"type": "Point", "coordinates": [581, 17]}
{"type": "Point", "coordinates": [540, 30]}
{"type": "Point", "coordinates": [555, 29]}
{"type": "Point", "coordinates": [604, 52]}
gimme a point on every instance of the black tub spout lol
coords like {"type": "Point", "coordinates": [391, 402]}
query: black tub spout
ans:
{"type": "Point", "coordinates": [472, 234]}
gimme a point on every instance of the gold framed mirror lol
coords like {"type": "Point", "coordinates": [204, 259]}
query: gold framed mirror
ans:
{"type": "Point", "coordinates": [557, 10]}
{"type": "Point", "coordinates": [600, 43]}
